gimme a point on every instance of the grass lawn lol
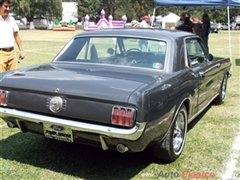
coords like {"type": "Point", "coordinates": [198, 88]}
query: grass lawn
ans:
{"type": "Point", "coordinates": [207, 149]}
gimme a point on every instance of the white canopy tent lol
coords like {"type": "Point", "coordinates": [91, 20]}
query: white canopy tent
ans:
{"type": "Point", "coordinates": [169, 20]}
{"type": "Point", "coordinates": [158, 18]}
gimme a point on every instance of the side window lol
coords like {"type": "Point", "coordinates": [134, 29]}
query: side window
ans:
{"type": "Point", "coordinates": [83, 54]}
{"type": "Point", "coordinates": [195, 52]}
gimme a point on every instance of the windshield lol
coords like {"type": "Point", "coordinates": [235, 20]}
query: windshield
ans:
{"type": "Point", "coordinates": [118, 51]}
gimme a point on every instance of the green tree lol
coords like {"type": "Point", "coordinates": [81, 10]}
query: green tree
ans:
{"type": "Point", "coordinates": [54, 9]}
{"type": "Point", "coordinates": [142, 7]}
{"type": "Point", "coordinates": [89, 7]}
{"type": "Point", "coordinates": [31, 8]}
{"type": "Point", "coordinates": [115, 7]}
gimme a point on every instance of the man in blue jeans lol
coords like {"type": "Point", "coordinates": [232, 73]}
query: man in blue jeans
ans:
{"type": "Point", "coordinates": [146, 43]}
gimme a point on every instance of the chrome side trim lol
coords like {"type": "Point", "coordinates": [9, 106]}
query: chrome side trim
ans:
{"type": "Point", "coordinates": [111, 132]}
{"type": "Point", "coordinates": [211, 68]}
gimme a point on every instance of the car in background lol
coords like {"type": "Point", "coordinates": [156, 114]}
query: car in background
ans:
{"type": "Point", "coordinates": [237, 27]}
{"type": "Point", "coordinates": [157, 25]}
{"type": "Point", "coordinates": [214, 28]}
{"type": "Point", "coordinates": [123, 89]}
{"type": "Point", "coordinates": [19, 19]}
{"type": "Point", "coordinates": [224, 26]}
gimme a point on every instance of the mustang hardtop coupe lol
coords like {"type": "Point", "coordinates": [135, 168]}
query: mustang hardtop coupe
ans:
{"type": "Point", "coordinates": [123, 89]}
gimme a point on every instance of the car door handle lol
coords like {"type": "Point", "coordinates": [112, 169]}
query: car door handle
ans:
{"type": "Point", "coordinates": [200, 74]}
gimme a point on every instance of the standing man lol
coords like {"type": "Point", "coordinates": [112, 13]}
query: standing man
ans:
{"type": "Point", "coordinates": [205, 29]}
{"type": "Point", "coordinates": [180, 21]}
{"type": "Point", "coordinates": [146, 43]}
{"type": "Point", "coordinates": [144, 22]}
{"type": "Point", "coordinates": [8, 32]}
{"type": "Point", "coordinates": [187, 25]}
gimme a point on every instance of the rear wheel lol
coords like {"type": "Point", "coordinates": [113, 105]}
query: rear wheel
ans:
{"type": "Point", "coordinates": [171, 147]}
{"type": "Point", "coordinates": [223, 90]}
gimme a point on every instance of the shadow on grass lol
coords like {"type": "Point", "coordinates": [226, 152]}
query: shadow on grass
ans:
{"type": "Point", "coordinates": [77, 160]}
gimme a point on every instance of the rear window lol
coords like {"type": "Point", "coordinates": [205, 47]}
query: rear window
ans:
{"type": "Point", "coordinates": [118, 51]}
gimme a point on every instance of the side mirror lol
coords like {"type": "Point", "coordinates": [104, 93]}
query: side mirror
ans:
{"type": "Point", "coordinates": [210, 57]}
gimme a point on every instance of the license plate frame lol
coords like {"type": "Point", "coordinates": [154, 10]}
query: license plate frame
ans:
{"type": "Point", "coordinates": [58, 132]}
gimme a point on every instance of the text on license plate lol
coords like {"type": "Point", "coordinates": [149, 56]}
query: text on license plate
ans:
{"type": "Point", "coordinates": [57, 132]}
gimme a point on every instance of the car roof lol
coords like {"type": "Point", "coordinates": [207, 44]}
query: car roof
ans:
{"type": "Point", "coordinates": [138, 32]}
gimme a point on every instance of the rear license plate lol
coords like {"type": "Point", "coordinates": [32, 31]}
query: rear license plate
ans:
{"type": "Point", "coordinates": [57, 132]}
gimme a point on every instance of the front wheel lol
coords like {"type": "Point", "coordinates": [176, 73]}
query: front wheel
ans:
{"type": "Point", "coordinates": [171, 147]}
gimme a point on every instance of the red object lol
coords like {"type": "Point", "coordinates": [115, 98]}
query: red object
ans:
{"type": "Point", "coordinates": [115, 115]}
{"type": "Point", "coordinates": [145, 17]}
{"type": "Point", "coordinates": [128, 117]}
{"type": "Point", "coordinates": [122, 116]}
{"type": "Point", "coordinates": [3, 98]}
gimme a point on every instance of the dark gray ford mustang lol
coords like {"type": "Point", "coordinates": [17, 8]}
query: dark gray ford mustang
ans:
{"type": "Point", "coordinates": [123, 89]}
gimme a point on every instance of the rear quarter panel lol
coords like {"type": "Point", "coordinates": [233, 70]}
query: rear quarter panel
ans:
{"type": "Point", "coordinates": [162, 99]}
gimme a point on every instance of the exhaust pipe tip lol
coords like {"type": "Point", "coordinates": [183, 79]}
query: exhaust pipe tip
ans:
{"type": "Point", "coordinates": [122, 148]}
{"type": "Point", "coordinates": [11, 124]}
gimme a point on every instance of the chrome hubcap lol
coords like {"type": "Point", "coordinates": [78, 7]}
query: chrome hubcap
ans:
{"type": "Point", "coordinates": [179, 132]}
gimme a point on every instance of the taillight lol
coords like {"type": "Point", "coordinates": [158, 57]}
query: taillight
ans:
{"type": "Point", "coordinates": [128, 117]}
{"type": "Point", "coordinates": [3, 98]}
{"type": "Point", "coordinates": [123, 116]}
{"type": "Point", "coordinates": [115, 115]}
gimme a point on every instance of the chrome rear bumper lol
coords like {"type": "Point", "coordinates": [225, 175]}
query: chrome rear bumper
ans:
{"type": "Point", "coordinates": [111, 132]}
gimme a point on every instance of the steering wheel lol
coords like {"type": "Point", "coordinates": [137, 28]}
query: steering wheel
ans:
{"type": "Point", "coordinates": [139, 58]}
{"type": "Point", "coordinates": [134, 49]}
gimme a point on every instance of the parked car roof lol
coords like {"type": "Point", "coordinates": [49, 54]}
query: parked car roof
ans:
{"type": "Point", "coordinates": [139, 32]}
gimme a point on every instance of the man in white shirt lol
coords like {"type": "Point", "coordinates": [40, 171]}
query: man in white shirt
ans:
{"type": "Point", "coordinates": [144, 22]}
{"type": "Point", "coordinates": [8, 32]}
{"type": "Point", "coordinates": [180, 21]}
{"type": "Point", "coordinates": [146, 43]}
